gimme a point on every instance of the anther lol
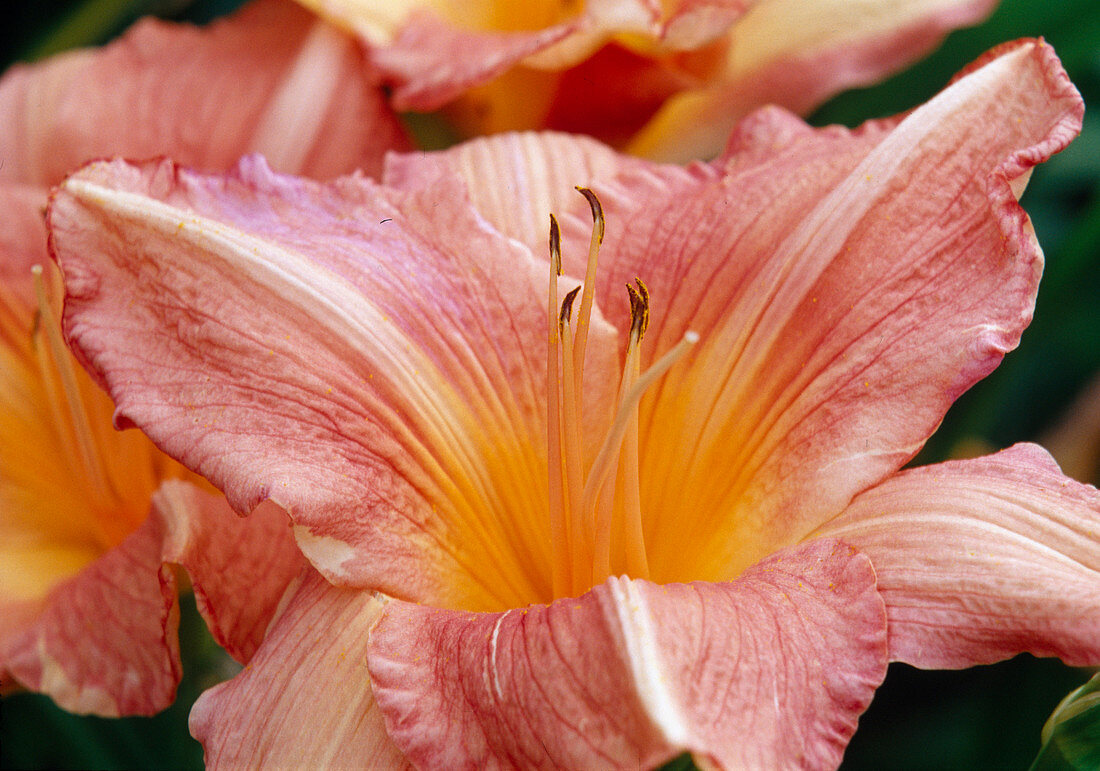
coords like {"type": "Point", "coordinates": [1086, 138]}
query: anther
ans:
{"type": "Point", "coordinates": [567, 308]}
{"type": "Point", "coordinates": [639, 309]}
{"type": "Point", "coordinates": [555, 246]}
{"type": "Point", "coordinates": [597, 213]}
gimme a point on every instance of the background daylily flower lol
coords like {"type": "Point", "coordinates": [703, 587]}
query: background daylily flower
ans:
{"type": "Point", "coordinates": [667, 80]}
{"type": "Point", "coordinates": [88, 609]}
{"type": "Point", "coordinates": [377, 360]}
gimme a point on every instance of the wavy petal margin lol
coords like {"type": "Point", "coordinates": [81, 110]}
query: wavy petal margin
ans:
{"type": "Point", "coordinates": [981, 559]}
{"type": "Point", "coordinates": [771, 670]}
{"type": "Point", "coordinates": [847, 287]}
{"type": "Point", "coordinates": [239, 568]}
{"type": "Point", "coordinates": [516, 180]}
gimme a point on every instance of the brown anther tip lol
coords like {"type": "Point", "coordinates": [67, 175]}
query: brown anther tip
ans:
{"type": "Point", "coordinates": [567, 306]}
{"type": "Point", "coordinates": [597, 211]}
{"type": "Point", "coordinates": [555, 245]}
{"type": "Point", "coordinates": [639, 306]}
{"type": "Point", "coordinates": [639, 310]}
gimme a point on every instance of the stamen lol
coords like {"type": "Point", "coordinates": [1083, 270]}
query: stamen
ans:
{"type": "Point", "coordinates": [62, 360]}
{"type": "Point", "coordinates": [604, 516]}
{"type": "Point", "coordinates": [585, 314]}
{"type": "Point", "coordinates": [560, 572]}
{"type": "Point", "coordinates": [637, 563]}
{"type": "Point", "coordinates": [586, 511]}
{"type": "Point", "coordinates": [639, 308]}
{"type": "Point", "coordinates": [633, 536]}
{"type": "Point", "coordinates": [578, 527]}
{"type": "Point", "coordinates": [604, 463]}
{"type": "Point", "coordinates": [567, 310]}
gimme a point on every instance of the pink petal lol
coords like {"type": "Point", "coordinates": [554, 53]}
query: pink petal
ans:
{"type": "Point", "coordinates": [239, 568]}
{"type": "Point", "coordinates": [432, 62]}
{"type": "Point", "coordinates": [770, 671]}
{"type": "Point", "coordinates": [979, 560]}
{"type": "Point", "coordinates": [848, 286]}
{"type": "Point", "coordinates": [104, 641]}
{"type": "Point", "coordinates": [268, 80]}
{"type": "Point", "coordinates": [305, 700]}
{"type": "Point", "coordinates": [371, 360]}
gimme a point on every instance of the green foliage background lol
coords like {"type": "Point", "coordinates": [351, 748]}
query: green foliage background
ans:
{"type": "Point", "coordinates": [986, 717]}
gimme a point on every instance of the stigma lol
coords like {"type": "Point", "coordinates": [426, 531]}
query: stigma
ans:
{"type": "Point", "coordinates": [595, 509]}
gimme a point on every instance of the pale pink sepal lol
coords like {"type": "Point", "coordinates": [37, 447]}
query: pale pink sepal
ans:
{"type": "Point", "coordinates": [239, 567]}
{"type": "Point", "coordinates": [769, 671]}
{"type": "Point", "coordinates": [979, 560]}
{"type": "Point", "coordinates": [305, 699]}
{"type": "Point", "coordinates": [270, 79]}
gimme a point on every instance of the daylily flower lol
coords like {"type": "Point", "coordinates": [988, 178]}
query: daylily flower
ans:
{"type": "Point", "coordinates": [89, 517]}
{"type": "Point", "coordinates": [667, 80]}
{"type": "Point", "coordinates": [572, 530]}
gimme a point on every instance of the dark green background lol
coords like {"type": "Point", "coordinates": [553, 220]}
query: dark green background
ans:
{"type": "Point", "coordinates": [986, 717]}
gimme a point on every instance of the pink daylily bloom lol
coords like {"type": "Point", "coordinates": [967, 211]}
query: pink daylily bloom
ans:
{"type": "Point", "coordinates": [693, 536]}
{"type": "Point", "coordinates": [90, 517]}
{"type": "Point", "coordinates": [667, 80]}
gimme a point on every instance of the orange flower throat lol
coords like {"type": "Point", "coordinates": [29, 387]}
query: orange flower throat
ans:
{"type": "Point", "coordinates": [595, 515]}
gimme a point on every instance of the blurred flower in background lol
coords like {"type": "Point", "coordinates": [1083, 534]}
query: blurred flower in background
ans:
{"type": "Point", "coordinates": [666, 80]}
